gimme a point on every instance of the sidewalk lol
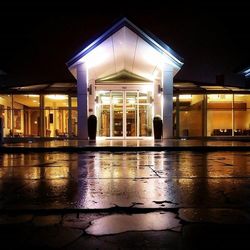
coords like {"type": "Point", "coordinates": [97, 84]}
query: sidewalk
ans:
{"type": "Point", "coordinates": [136, 200]}
{"type": "Point", "coordinates": [158, 230]}
{"type": "Point", "coordinates": [125, 145]}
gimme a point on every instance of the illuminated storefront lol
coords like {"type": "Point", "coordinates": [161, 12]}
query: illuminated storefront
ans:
{"type": "Point", "coordinates": [125, 78]}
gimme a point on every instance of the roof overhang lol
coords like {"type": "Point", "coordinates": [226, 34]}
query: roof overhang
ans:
{"type": "Point", "coordinates": [124, 41]}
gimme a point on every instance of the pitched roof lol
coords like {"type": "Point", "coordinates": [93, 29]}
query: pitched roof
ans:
{"type": "Point", "coordinates": [146, 36]}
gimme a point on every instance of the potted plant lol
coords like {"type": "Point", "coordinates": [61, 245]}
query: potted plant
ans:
{"type": "Point", "coordinates": [157, 123]}
{"type": "Point", "coordinates": [92, 125]}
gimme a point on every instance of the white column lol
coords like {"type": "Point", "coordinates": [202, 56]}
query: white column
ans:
{"type": "Point", "coordinates": [167, 84]}
{"type": "Point", "coordinates": [69, 116]}
{"type": "Point", "coordinates": [82, 102]}
{"type": "Point", "coordinates": [157, 98]}
{"type": "Point", "coordinates": [92, 97]}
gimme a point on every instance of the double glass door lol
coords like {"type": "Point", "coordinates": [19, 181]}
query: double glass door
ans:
{"type": "Point", "coordinates": [124, 114]}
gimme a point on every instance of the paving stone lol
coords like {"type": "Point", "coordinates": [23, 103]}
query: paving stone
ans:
{"type": "Point", "coordinates": [207, 236]}
{"type": "Point", "coordinates": [119, 223]}
{"type": "Point", "coordinates": [130, 240]}
{"type": "Point", "coordinates": [215, 215]}
{"type": "Point", "coordinates": [14, 236]}
{"type": "Point", "coordinates": [53, 237]}
{"type": "Point", "coordinates": [15, 219]}
{"type": "Point", "coordinates": [46, 220]}
{"type": "Point", "coordinates": [81, 221]}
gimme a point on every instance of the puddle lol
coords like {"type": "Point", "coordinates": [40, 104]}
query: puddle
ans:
{"type": "Point", "coordinates": [118, 223]}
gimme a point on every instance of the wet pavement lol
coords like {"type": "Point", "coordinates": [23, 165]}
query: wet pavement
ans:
{"type": "Point", "coordinates": [20, 146]}
{"type": "Point", "coordinates": [135, 200]}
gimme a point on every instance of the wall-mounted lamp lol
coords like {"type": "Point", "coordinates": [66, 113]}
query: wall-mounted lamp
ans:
{"type": "Point", "coordinates": [90, 89]}
{"type": "Point", "coordinates": [96, 99]}
{"type": "Point", "coordinates": [159, 89]}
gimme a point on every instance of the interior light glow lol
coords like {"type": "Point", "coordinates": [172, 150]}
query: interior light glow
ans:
{"type": "Point", "coordinates": [185, 97]}
{"type": "Point", "coordinates": [146, 88]}
{"type": "Point", "coordinates": [57, 97]}
{"type": "Point", "coordinates": [115, 101]}
{"type": "Point", "coordinates": [220, 97]}
{"type": "Point", "coordinates": [131, 101]}
{"type": "Point", "coordinates": [32, 95]}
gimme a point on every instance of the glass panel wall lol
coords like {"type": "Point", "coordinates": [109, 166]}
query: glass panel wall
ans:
{"type": "Point", "coordinates": [190, 115]}
{"type": "Point", "coordinates": [219, 115]}
{"type": "Point", "coordinates": [21, 115]}
{"type": "Point", "coordinates": [56, 117]}
{"type": "Point", "coordinates": [124, 113]}
{"type": "Point", "coordinates": [26, 115]}
{"type": "Point", "coordinates": [241, 111]}
{"type": "Point", "coordinates": [6, 113]}
{"type": "Point", "coordinates": [145, 120]}
{"type": "Point", "coordinates": [145, 113]}
{"type": "Point", "coordinates": [103, 113]}
{"type": "Point", "coordinates": [227, 114]}
{"type": "Point", "coordinates": [131, 114]}
{"type": "Point", "coordinates": [73, 116]}
{"type": "Point", "coordinates": [117, 113]}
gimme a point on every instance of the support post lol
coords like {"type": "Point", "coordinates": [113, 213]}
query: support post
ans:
{"type": "Point", "coordinates": [167, 84]}
{"type": "Point", "coordinates": [42, 116]}
{"type": "Point", "coordinates": [69, 117]}
{"type": "Point", "coordinates": [82, 102]}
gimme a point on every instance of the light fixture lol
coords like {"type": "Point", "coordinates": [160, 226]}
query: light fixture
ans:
{"type": "Point", "coordinates": [159, 89]}
{"type": "Point", "coordinates": [90, 89]}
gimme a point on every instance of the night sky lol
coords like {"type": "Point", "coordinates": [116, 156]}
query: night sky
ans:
{"type": "Point", "coordinates": [38, 39]}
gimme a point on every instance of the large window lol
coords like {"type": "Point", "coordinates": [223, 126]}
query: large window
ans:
{"type": "Point", "coordinates": [190, 107]}
{"type": "Point", "coordinates": [56, 115]}
{"type": "Point", "coordinates": [6, 113]}
{"type": "Point", "coordinates": [23, 115]}
{"type": "Point", "coordinates": [241, 110]}
{"type": "Point", "coordinates": [26, 115]}
{"type": "Point", "coordinates": [73, 116]}
{"type": "Point", "coordinates": [219, 115]}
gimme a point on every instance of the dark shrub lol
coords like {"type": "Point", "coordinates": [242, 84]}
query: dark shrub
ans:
{"type": "Point", "coordinates": [92, 125]}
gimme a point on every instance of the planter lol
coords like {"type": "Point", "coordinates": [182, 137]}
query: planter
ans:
{"type": "Point", "coordinates": [92, 125]}
{"type": "Point", "coordinates": [157, 123]}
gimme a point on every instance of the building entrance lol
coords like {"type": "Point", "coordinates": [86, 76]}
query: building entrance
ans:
{"type": "Point", "coordinates": [124, 114]}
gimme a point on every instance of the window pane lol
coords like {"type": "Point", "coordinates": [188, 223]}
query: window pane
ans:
{"type": "Point", "coordinates": [74, 102]}
{"type": "Point", "coordinates": [145, 97]}
{"type": "Point", "coordinates": [219, 115]}
{"type": "Point", "coordinates": [103, 118]}
{"type": "Point", "coordinates": [241, 115]}
{"type": "Point", "coordinates": [25, 101]}
{"type": "Point", "coordinates": [145, 120]}
{"type": "Point", "coordinates": [191, 115]}
{"type": "Point", "coordinates": [74, 122]}
{"type": "Point", "coordinates": [56, 122]}
{"type": "Point", "coordinates": [6, 113]}
{"type": "Point", "coordinates": [56, 101]}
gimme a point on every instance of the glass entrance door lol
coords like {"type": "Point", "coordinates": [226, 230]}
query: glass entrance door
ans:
{"type": "Point", "coordinates": [131, 114]}
{"type": "Point", "coordinates": [124, 114]}
{"type": "Point", "coordinates": [117, 108]}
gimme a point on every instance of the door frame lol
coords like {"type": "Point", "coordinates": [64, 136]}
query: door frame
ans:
{"type": "Point", "coordinates": [124, 90]}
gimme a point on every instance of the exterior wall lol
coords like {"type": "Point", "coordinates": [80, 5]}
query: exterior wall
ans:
{"type": "Point", "coordinates": [195, 113]}
{"type": "Point", "coordinates": [22, 115]}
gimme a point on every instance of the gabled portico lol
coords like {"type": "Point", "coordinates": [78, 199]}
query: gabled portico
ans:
{"type": "Point", "coordinates": [129, 74]}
